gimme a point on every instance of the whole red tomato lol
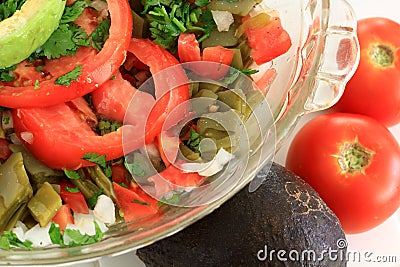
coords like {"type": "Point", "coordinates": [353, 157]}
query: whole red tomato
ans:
{"type": "Point", "coordinates": [353, 162]}
{"type": "Point", "coordinates": [374, 90]}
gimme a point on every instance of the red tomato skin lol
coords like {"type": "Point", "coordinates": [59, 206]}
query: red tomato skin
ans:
{"type": "Point", "coordinates": [134, 205]}
{"type": "Point", "coordinates": [63, 217]}
{"type": "Point", "coordinates": [375, 90]}
{"type": "Point", "coordinates": [75, 200]}
{"type": "Point", "coordinates": [59, 137]}
{"type": "Point", "coordinates": [167, 99]}
{"type": "Point", "coordinates": [188, 48]}
{"type": "Point", "coordinates": [5, 151]}
{"type": "Point", "coordinates": [268, 42]}
{"type": "Point", "coordinates": [361, 201]}
{"type": "Point", "coordinates": [96, 69]}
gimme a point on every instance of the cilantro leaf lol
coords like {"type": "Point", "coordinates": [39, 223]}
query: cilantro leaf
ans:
{"type": "Point", "coordinates": [72, 189]}
{"type": "Point", "coordinates": [135, 168]}
{"type": "Point", "coordinates": [100, 35]}
{"type": "Point", "coordinates": [67, 78]}
{"type": "Point", "coordinates": [141, 202]}
{"type": "Point", "coordinates": [56, 235]}
{"type": "Point", "coordinates": [72, 12]}
{"type": "Point", "coordinates": [169, 18]}
{"type": "Point", "coordinates": [79, 239]}
{"type": "Point", "coordinates": [73, 175]}
{"type": "Point", "coordinates": [8, 8]}
{"type": "Point", "coordinates": [194, 140]}
{"type": "Point", "coordinates": [9, 240]}
{"type": "Point", "coordinates": [96, 158]}
{"type": "Point", "coordinates": [106, 126]}
{"type": "Point", "coordinates": [92, 201]}
{"type": "Point", "coordinates": [7, 74]}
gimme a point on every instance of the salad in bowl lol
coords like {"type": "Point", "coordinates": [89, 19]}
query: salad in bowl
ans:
{"type": "Point", "coordinates": [125, 121]}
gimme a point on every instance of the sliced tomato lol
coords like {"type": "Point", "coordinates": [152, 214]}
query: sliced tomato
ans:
{"type": "Point", "coordinates": [63, 217]}
{"type": "Point", "coordinates": [5, 151]}
{"type": "Point", "coordinates": [112, 99]}
{"type": "Point", "coordinates": [96, 69]}
{"type": "Point", "coordinates": [266, 80]}
{"type": "Point", "coordinates": [188, 48]}
{"type": "Point", "coordinates": [134, 205]}
{"type": "Point", "coordinates": [119, 174]}
{"type": "Point", "coordinates": [59, 137]}
{"type": "Point", "coordinates": [189, 51]}
{"type": "Point", "coordinates": [269, 41]}
{"type": "Point", "coordinates": [168, 94]}
{"type": "Point", "coordinates": [177, 177]}
{"type": "Point", "coordinates": [75, 200]}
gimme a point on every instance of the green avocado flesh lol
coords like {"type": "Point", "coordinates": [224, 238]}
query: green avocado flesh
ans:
{"type": "Point", "coordinates": [28, 29]}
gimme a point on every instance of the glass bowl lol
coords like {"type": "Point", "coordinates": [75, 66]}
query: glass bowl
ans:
{"type": "Point", "coordinates": [311, 76]}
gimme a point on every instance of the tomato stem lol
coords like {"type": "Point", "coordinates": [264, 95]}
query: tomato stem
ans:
{"type": "Point", "coordinates": [354, 158]}
{"type": "Point", "coordinates": [382, 55]}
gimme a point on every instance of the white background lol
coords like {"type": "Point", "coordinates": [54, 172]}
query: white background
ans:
{"type": "Point", "coordinates": [384, 239]}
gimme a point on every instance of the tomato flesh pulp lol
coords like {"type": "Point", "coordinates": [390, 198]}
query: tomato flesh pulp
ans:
{"type": "Point", "coordinates": [95, 70]}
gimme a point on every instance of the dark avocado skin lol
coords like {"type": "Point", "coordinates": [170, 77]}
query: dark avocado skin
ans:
{"type": "Point", "coordinates": [284, 213]}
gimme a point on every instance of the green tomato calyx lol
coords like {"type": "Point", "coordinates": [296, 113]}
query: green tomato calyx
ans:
{"type": "Point", "coordinates": [353, 157]}
{"type": "Point", "coordinates": [382, 55]}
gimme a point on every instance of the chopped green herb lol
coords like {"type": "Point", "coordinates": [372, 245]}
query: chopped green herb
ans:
{"type": "Point", "coordinates": [194, 140]}
{"type": "Point", "coordinates": [135, 168]}
{"type": "Point", "coordinates": [10, 240]}
{"type": "Point", "coordinates": [6, 120]}
{"type": "Point", "coordinates": [72, 12]}
{"type": "Point", "coordinates": [92, 201]}
{"type": "Point", "coordinates": [75, 237]}
{"type": "Point", "coordinates": [73, 175]}
{"type": "Point", "coordinates": [7, 74]}
{"type": "Point", "coordinates": [123, 185]}
{"type": "Point", "coordinates": [36, 86]}
{"type": "Point", "coordinates": [100, 35]}
{"type": "Point", "coordinates": [249, 71]}
{"type": "Point", "coordinates": [96, 158]}
{"type": "Point", "coordinates": [201, 3]}
{"type": "Point", "coordinates": [72, 189]}
{"type": "Point", "coordinates": [8, 8]}
{"type": "Point", "coordinates": [67, 78]}
{"type": "Point", "coordinates": [169, 18]}
{"type": "Point", "coordinates": [56, 235]}
{"type": "Point", "coordinates": [106, 126]}
{"type": "Point", "coordinates": [235, 73]}
{"type": "Point", "coordinates": [141, 202]}
{"type": "Point", "coordinates": [39, 68]}
{"type": "Point", "coordinates": [172, 200]}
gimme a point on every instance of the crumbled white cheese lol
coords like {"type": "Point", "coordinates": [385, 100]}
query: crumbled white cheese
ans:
{"type": "Point", "coordinates": [39, 236]}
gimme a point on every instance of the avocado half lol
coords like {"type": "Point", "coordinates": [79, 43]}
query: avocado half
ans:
{"type": "Point", "coordinates": [27, 29]}
{"type": "Point", "coordinates": [282, 223]}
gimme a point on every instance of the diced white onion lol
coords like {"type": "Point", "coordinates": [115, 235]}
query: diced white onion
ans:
{"type": "Point", "coordinates": [223, 19]}
{"type": "Point", "coordinates": [104, 210]}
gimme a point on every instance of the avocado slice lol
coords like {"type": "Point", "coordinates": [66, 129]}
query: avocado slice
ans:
{"type": "Point", "coordinates": [28, 29]}
{"type": "Point", "coordinates": [283, 214]}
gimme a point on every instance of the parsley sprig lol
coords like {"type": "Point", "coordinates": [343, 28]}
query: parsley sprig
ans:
{"type": "Point", "coordinates": [169, 18]}
{"type": "Point", "coordinates": [8, 8]}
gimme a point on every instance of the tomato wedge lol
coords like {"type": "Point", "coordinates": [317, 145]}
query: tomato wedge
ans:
{"type": "Point", "coordinates": [168, 95]}
{"type": "Point", "coordinates": [63, 217]}
{"type": "Point", "coordinates": [96, 69]}
{"type": "Point", "coordinates": [59, 137]}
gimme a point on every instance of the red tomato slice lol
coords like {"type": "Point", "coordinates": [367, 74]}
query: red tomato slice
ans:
{"type": "Point", "coordinates": [177, 177]}
{"type": "Point", "coordinates": [96, 69]}
{"type": "Point", "coordinates": [265, 81]}
{"type": "Point", "coordinates": [75, 200]}
{"type": "Point", "coordinates": [5, 151]}
{"type": "Point", "coordinates": [59, 137]}
{"type": "Point", "coordinates": [168, 95]}
{"type": "Point", "coordinates": [112, 99]}
{"type": "Point", "coordinates": [188, 48]}
{"type": "Point", "coordinates": [189, 51]}
{"type": "Point", "coordinates": [134, 206]}
{"type": "Point", "coordinates": [268, 42]}
{"type": "Point", "coordinates": [63, 217]}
